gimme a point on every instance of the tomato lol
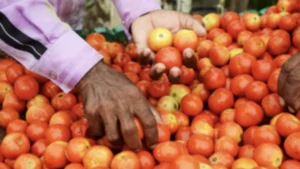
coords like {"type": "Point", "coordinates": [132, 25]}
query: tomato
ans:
{"type": "Point", "coordinates": [8, 115]}
{"type": "Point", "coordinates": [77, 166]}
{"type": "Point", "coordinates": [191, 104]}
{"type": "Point", "coordinates": [61, 117]}
{"type": "Point", "coordinates": [133, 67]}
{"type": "Point", "coordinates": [36, 100]}
{"type": "Point", "coordinates": [77, 111]}
{"type": "Point", "coordinates": [187, 75]}
{"type": "Point", "coordinates": [13, 72]}
{"type": "Point", "coordinates": [117, 68]}
{"type": "Point", "coordinates": [204, 117]}
{"type": "Point", "coordinates": [227, 18]}
{"type": "Point", "coordinates": [76, 149]}
{"type": "Point", "coordinates": [279, 43]}
{"type": "Point", "coordinates": [227, 115]}
{"type": "Point", "coordinates": [244, 162]}
{"type": "Point", "coordinates": [41, 112]}
{"type": "Point", "coordinates": [256, 91]}
{"type": "Point", "coordinates": [162, 166]}
{"type": "Point", "coordinates": [200, 144]}
{"type": "Point", "coordinates": [271, 104]}
{"type": "Point", "coordinates": [97, 156]}
{"type": "Point", "coordinates": [54, 156]}
{"type": "Point", "coordinates": [57, 132]}
{"type": "Point", "coordinates": [134, 78]}
{"type": "Point", "coordinates": [235, 27]}
{"type": "Point", "coordinates": [183, 134]}
{"type": "Point", "coordinates": [262, 70]}
{"type": "Point", "coordinates": [232, 130]}
{"type": "Point", "coordinates": [250, 113]}
{"type": "Point", "coordinates": [182, 119]}
{"type": "Point", "coordinates": [63, 101]}
{"type": "Point", "coordinates": [50, 89]}
{"type": "Point", "coordinates": [127, 159]}
{"type": "Point", "coordinates": [243, 37]}
{"type": "Point", "coordinates": [252, 21]}
{"type": "Point", "coordinates": [241, 64]}
{"type": "Point", "coordinates": [185, 161]}
{"type": "Point", "coordinates": [287, 124]}
{"type": "Point", "coordinates": [130, 49]}
{"type": "Point", "coordinates": [219, 55]}
{"type": "Point", "coordinates": [121, 59]}
{"type": "Point", "coordinates": [144, 74]}
{"type": "Point", "coordinates": [146, 159]}
{"type": "Point", "coordinates": [220, 100]}
{"type": "Point", "coordinates": [291, 145]}
{"type": "Point", "coordinates": [170, 120]}
{"type": "Point", "coordinates": [185, 39]}
{"type": "Point", "coordinates": [39, 78]}
{"type": "Point", "coordinates": [159, 88]}
{"type": "Point", "coordinates": [287, 22]}
{"type": "Point", "coordinates": [214, 78]}
{"type": "Point", "coordinates": [214, 32]}
{"type": "Point", "coordinates": [26, 87]}
{"type": "Point", "coordinates": [227, 144]}
{"type": "Point", "coordinates": [266, 134]}
{"type": "Point", "coordinates": [204, 48]}
{"type": "Point", "coordinates": [168, 146]}
{"type": "Point", "coordinates": [169, 56]}
{"type": "Point", "coordinates": [95, 40]}
{"type": "Point", "coordinates": [5, 63]}
{"type": "Point", "coordinates": [28, 161]}
{"type": "Point", "coordinates": [79, 128]}
{"type": "Point", "coordinates": [268, 155]}
{"type": "Point", "coordinates": [159, 38]}
{"type": "Point", "coordinates": [255, 46]}
{"type": "Point", "coordinates": [222, 158]}
{"type": "Point", "coordinates": [223, 39]}
{"type": "Point", "coordinates": [246, 150]}
{"type": "Point", "coordinates": [16, 125]}
{"type": "Point", "coordinates": [5, 87]}
{"type": "Point", "coordinates": [273, 80]}
{"type": "Point", "coordinates": [15, 144]}
{"type": "Point", "coordinates": [201, 127]}
{"type": "Point", "coordinates": [240, 83]}
{"type": "Point", "coordinates": [38, 148]}
{"type": "Point", "coordinates": [4, 166]}
{"type": "Point", "coordinates": [281, 59]}
{"type": "Point", "coordinates": [139, 127]}
{"type": "Point", "coordinates": [11, 100]}
{"type": "Point", "coordinates": [201, 91]}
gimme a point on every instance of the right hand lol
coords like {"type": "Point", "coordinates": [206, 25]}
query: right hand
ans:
{"type": "Point", "coordinates": [111, 101]}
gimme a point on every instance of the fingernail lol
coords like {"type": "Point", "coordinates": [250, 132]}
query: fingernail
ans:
{"type": "Point", "coordinates": [281, 101]}
{"type": "Point", "coordinates": [291, 109]}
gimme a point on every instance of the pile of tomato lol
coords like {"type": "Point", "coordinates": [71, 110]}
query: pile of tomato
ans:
{"type": "Point", "coordinates": [224, 112]}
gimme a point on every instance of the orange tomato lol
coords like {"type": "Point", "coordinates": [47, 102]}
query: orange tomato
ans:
{"type": "Point", "coordinates": [185, 39]}
{"type": "Point", "coordinates": [159, 38]}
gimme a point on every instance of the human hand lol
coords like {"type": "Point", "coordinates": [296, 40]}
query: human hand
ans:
{"type": "Point", "coordinates": [172, 20]}
{"type": "Point", "coordinates": [111, 101]}
{"type": "Point", "coordinates": [289, 83]}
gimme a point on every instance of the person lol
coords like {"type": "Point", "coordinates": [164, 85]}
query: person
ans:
{"type": "Point", "coordinates": [36, 34]}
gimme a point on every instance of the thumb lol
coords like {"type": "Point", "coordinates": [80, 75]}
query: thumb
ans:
{"type": "Point", "coordinates": [187, 21]}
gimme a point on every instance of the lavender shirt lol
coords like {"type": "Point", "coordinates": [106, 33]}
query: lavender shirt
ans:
{"type": "Point", "coordinates": [38, 34]}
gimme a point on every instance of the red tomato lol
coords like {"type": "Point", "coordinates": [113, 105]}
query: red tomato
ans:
{"type": "Point", "coordinates": [214, 78]}
{"type": "Point", "coordinates": [169, 56]}
{"type": "Point", "coordinates": [26, 87]}
{"type": "Point", "coordinates": [249, 114]}
{"type": "Point", "coordinates": [240, 83]}
{"type": "Point", "coordinates": [220, 100]}
{"type": "Point", "coordinates": [191, 104]}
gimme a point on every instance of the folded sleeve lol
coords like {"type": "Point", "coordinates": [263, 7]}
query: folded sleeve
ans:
{"type": "Point", "coordinates": [129, 10]}
{"type": "Point", "coordinates": [32, 33]}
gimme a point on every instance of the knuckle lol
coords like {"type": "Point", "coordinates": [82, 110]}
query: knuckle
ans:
{"type": "Point", "coordinates": [130, 129]}
{"type": "Point", "coordinates": [113, 137]}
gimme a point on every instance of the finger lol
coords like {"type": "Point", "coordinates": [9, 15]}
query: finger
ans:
{"type": "Point", "coordinates": [156, 114]}
{"type": "Point", "coordinates": [189, 58]}
{"type": "Point", "coordinates": [291, 63]}
{"type": "Point", "coordinates": [174, 75]}
{"type": "Point", "coordinates": [148, 121]}
{"type": "Point", "coordinates": [187, 21]}
{"type": "Point", "coordinates": [95, 124]}
{"type": "Point", "coordinates": [157, 70]}
{"type": "Point", "coordinates": [129, 130]}
{"type": "Point", "coordinates": [145, 56]}
{"type": "Point", "coordinates": [281, 82]}
{"type": "Point", "coordinates": [111, 127]}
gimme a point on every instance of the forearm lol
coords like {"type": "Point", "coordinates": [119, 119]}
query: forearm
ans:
{"type": "Point", "coordinates": [32, 33]}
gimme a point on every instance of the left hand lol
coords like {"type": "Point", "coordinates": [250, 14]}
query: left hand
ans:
{"type": "Point", "coordinates": [172, 20]}
{"type": "Point", "coordinates": [289, 83]}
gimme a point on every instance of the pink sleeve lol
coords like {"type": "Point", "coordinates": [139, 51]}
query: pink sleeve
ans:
{"type": "Point", "coordinates": [32, 33]}
{"type": "Point", "coordinates": [129, 10]}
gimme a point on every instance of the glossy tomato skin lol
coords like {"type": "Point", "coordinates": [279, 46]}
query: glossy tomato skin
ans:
{"type": "Point", "coordinates": [26, 87]}
{"type": "Point", "coordinates": [146, 159]}
{"type": "Point", "coordinates": [159, 88]}
{"type": "Point", "coordinates": [169, 56]}
{"type": "Point", "coordinates": [15, 144]}
{"type": "Point", "coordinates": [214, 78]}
{"type": "Point", "coordinates": [168, 146]}
{"type": "Point", "coordinates": [200, 144]}
{"type": "Point", "coordinates": [191, 104]}
{"type": "Point", "coordinates": [185, 161]}
{"type": "Point", "coordinates": [220, 100]}
{"type": "Point", "coordinates": [63, 101]}
{"type": "Point", "coordinates": [249, 110]}
{"type": "Point", "coordinates": [241, 64]}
